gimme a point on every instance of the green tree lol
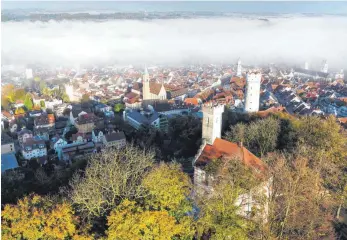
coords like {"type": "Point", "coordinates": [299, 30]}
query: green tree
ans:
{"type": "Point", "coordinates": [65, 98]}
{"type": "Point", "coordinates": [42, 104]}
{"type": "Point", "coordinates": [28, 102]}
{"type": "Point", "coordinates": [118, 107]}
{"type": "Point", "coordinates": [260, 136]}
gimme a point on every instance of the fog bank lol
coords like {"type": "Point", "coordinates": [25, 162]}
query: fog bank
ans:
{"type": "Point", "coordinates": [292, 40]}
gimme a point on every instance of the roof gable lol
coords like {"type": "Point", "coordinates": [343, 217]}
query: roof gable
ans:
{"type": "Point", "coordinates": [222, 148]}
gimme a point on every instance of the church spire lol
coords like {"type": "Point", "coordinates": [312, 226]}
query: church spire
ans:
{"type": "Point", "coordinates": [239, 68]}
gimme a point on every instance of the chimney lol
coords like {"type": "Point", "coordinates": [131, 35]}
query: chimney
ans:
{"type": "Point", "coordinates": [241, 144]}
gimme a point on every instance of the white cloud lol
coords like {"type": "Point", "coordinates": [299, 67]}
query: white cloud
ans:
{"type": "Point", "coordinates": [293, 40]}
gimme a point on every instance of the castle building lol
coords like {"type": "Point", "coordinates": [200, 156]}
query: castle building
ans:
{"type": "Point", "coordinates": [212, 122]}
{"type": "Point", "coordinates": [152, 90]}
{"type": "Point", "coordinates": [216, 149]}
{"type": "Point", "coordinates": [239, 69]}
{"type": "Point", "coordinates": [252, 92]}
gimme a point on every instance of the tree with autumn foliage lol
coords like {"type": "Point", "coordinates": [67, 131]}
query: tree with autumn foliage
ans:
{"type": "Point", "coordinates": [300, 207]}
{"type": "Point", "coordinates": [36, 217]}
{"type": "Point", "coordinates": [109, 177]}
{"type": "Point", "coordinates": [131, 221]}
{"type": "Point", "coordinates": [168, 188]}
{"type": "Point", "coordinates": [220, 209]}
{"type": "Point", "coordinates": [85, 98]}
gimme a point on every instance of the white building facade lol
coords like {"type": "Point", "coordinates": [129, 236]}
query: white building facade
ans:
{"type": "Point", "coordinates": [252, 95]}
{"type": "Point", "coordinates": [212, 122]}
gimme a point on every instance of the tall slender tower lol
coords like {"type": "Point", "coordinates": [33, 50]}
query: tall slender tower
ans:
{"type": "Point", "coordinates": [145, 88]}
{"type": "Point", "coordinates": [252, 92]}
{"type": "Point", "coordinates": [29, 73]}
{"type": "Point", "coordinates": [239, 68]}
{"type": "Point", "coordinates": [212, 122]}
{"type": "Point", "coordinates": [306, 65]}
{"type": "Point", "coordinates": [325, 66]}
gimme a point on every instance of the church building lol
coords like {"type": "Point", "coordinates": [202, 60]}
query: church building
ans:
{"type": "Point", "coordinates": [152, 90]}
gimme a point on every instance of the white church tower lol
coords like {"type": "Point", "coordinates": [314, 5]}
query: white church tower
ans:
{"type": "Point", "coordinates": [145, 88]}
{"type": "Point", "coordinates": [325, 67]}
{"type": "Point", "coordinates": [212, 122]}
{"type": "Point", "coordinates": [252, 92]}
{"type": "Point", "coordinates": [239, 68]}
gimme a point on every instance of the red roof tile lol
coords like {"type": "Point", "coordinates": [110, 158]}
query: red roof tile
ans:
{"type": "Point", "coordinates": [222, 148]}
{"type": "Point", "coordinates": [192, 101]}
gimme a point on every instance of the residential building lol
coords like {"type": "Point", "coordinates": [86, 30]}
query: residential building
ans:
{"type": "Point", "coordinates": [7, 144]}
{"type": "Point", "coordinates": [138, 118]}
{"type": "Point", "coordinates": [24, 135]}
{"type": "Point", "coordinates": [44, 121]}
{"type": "Point", "coordinates": [34, 148]}
{"type": "Point", "coordinates": [74, 150]}
{"type": "Point", "coordinates": [44, 133]}
{"type": "Point", "coordinates": [97, 136]}
{"type": "Point", "coordinates": [114, 139]}
{"type": "Point", "coordinates": [7, 116]}
{"type": "Point", "coordinates": [80, 137]}
{"type": "Point", "coordinates": [101, 107]}
{"type": "Point", "coordinates": [85, 123]}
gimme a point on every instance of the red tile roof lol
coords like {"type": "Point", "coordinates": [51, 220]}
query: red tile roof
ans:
{"type": "Point", "coordinates": [343, 120]}
{"type": "Point", "coordinates": [222, 148]}
{"type": "Point", "coordinates": [7, 114]}
{"type": "Point", "coordinates": [192, 101]}
{"type": "Point", "coordinates": [155, 87]}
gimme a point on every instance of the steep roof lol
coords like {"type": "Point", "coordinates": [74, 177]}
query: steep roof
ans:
{"type": "Point", "coordinates": [115, 136]}
{"type": "Point", "coordinates": [155, 87]}
{"type": "Point", "coordinates": [222, 148]}
{"type": "Point", "coordinates": [192, 101]}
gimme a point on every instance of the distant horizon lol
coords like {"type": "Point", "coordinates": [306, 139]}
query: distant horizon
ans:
{"type": "Point", "coordinates": [258, 32]}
